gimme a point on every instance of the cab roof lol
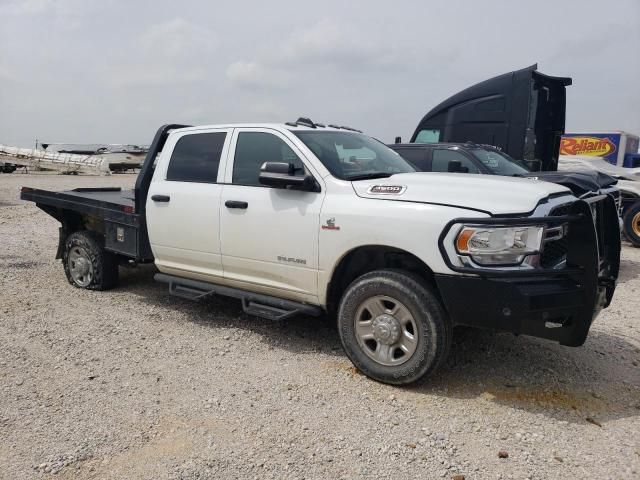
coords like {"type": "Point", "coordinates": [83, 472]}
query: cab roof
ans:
{"type": "Point", "coordinates": [302, 124]}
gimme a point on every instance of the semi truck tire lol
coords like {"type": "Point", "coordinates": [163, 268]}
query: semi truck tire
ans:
{"type": "Point", "coordinates": [393, 327]}
{"type": "Point", "coordinates": [86, 263]}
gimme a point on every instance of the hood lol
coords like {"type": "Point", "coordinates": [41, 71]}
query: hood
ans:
{"type": "Point", "coordinates": [494, 194]}
{"type": "Point", "coordinates": [580, 182]}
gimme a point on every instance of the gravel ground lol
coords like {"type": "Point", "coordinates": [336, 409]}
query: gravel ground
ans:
{"type": "Point", "coordinates": [132, 383]}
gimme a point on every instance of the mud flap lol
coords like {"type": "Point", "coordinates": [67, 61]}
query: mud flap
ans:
{"type": "Point", "coordinates": [62, 236]}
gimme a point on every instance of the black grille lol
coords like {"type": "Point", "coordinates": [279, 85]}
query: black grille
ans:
{"type": "Point", "coordinates": [555, 251]}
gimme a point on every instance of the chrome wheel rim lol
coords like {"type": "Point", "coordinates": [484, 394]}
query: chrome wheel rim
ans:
{"type": "Point", "coordinates": [80, 266]}
{"type": "Point", "coordinates": [386, 330]}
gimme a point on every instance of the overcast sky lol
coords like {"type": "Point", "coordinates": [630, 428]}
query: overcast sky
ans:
{"type": "Point", "coordinates": [112, 71]}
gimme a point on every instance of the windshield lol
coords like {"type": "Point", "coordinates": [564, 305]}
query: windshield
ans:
{"type": "Point", "coordinates": [499, 163]}
{"type": "Point", "coordinates": [354, 156]}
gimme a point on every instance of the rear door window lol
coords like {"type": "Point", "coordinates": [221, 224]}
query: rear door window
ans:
{"type": "Point", "coordinates": [196, 158]}
{"type": "Point", "coordinates": [452, 161]}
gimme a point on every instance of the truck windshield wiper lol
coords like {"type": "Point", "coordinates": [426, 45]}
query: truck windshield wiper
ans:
{"type": "Point", "coordinates": [370, 176]}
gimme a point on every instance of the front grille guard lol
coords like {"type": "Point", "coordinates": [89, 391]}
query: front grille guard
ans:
{"type": "Point", "coordinates": [593, 262]}
{"type": "Point", "coordinates": [593, 237]}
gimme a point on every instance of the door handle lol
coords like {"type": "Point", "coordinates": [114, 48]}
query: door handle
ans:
{"type": "Point", "coordinates": [160, 198]}
{"type": "Point", "coordinates": [236, 204]}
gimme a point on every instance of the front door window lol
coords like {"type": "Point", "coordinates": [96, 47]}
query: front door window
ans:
{"type": "Point", "coordinates": [253, 149]}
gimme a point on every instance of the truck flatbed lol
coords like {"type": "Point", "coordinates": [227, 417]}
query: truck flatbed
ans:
{"type": "Point", "coordinates": [112, 208]}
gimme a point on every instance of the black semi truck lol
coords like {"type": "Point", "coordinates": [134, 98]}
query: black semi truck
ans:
{"type": "Point", "coordinates": [520, 112]}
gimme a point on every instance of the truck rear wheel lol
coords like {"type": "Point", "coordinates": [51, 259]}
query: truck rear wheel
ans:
{"type": "Point", "coordinates": [86, 263]}
{"type": "Point", "coordinates": [393, 328]}
{"type": "Point", "coordinates": [631, 222]}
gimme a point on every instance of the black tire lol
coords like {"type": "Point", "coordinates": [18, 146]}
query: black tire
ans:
{"type": "Point", "coordinates": [631, 224]}
{"type": "Point", "coordinates": [432, 325]}
{"type": "Point", "coordinates": [102, 266]}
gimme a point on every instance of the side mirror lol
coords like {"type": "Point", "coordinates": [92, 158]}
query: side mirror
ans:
{"type": "Point", "coordinates": [282, 175]}
{"type": "Point", "coordinates": [455, 166]}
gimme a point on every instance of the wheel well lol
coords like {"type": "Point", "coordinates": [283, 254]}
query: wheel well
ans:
{"type": "Point", "coordinates": [71, 222]}
{"type": "Point", "coordinates": [366, 259]}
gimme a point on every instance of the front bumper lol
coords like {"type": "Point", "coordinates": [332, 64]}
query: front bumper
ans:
{"type": "Point", "coordinates": [556, 304]}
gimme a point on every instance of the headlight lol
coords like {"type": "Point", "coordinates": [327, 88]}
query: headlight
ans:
{"type": "Point", "coordinates": [498, 245]}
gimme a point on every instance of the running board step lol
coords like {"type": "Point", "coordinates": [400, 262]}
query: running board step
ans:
{"type": "Point", "coordinates": [265, 306]}
{"type": "Point", "coordinates": [266, 311]}
{"type": "Point", "coordinates": [189, 293]}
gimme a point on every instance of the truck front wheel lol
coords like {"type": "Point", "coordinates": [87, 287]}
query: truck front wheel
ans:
{"type": "Point", "coordinates": [86, 263]}
{"type": "Point", "coordinates": [393, 328]}
{"type": "Point", "coordinates": [631, 221]}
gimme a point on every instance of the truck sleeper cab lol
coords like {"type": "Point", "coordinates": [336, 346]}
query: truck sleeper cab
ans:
{"type": "Point", "coordinates": [303, 218]}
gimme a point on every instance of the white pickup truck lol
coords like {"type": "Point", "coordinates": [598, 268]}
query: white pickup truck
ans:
{"type": "Point", "coordinates": [303, 218]}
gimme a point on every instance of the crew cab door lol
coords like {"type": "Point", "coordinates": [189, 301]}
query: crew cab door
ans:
{"type": "Point", "coordinates": [183, 203]}
{"type": "Point", "coordinates": [269, 236]}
